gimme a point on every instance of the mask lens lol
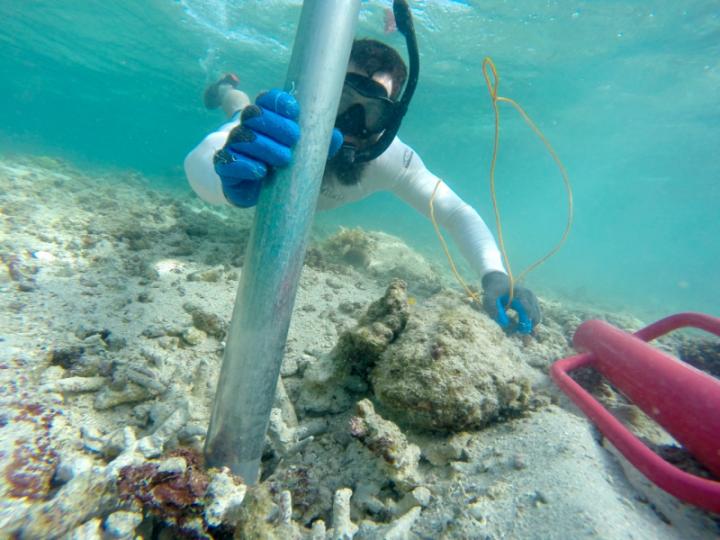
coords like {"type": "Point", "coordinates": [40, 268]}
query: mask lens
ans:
{"type": "Point", "coordinates": [378, 116]}
{"type": "Point", "coordinates": [366, 86]}
{"type": "Point", "coordinates": [369, 95]}
{"type": "Point", "coordinates": [352, 121]}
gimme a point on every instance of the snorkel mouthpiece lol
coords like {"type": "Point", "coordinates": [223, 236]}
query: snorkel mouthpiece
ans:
{"type": "Point", "coordinates": [348, 153]}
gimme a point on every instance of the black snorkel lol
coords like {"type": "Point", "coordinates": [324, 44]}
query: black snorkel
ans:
{"type": "Point", "coordinates": [404, 22]}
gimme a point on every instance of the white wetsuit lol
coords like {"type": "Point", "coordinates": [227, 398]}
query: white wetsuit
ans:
{"type": "Point", "coordinates": [399, 170]}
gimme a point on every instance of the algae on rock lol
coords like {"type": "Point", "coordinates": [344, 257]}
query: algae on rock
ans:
{"type": "Point", "coordinates": [448, 368]}
{"type": "Point", "coordinates": [383, 256]}
{"type": "Point", "coordinates": [329, 382]}
{"type": "Point", "coordinates": [385, 440]}
{"type": "Point", "coordinates": [352, 246]}
{"type": "Point", "coordinates": [382, 323]}
{"type": "Point", "coordinates": [452, 369]}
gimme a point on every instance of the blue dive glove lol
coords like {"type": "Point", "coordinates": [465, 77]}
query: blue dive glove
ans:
{"type": "Point", "coordinates": [264, 139]}
{"type": "Point", "coordinates": [496, 290]}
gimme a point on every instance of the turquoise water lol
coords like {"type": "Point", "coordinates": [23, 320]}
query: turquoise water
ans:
{"type": "Point", "coordinates": [628, 93]}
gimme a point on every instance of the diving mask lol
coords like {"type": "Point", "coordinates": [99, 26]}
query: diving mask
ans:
{"type": "Point", "coordinates": [366, 107]}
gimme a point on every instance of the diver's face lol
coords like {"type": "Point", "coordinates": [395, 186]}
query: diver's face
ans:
{"type": "Point", "coordinates": [384, 80]}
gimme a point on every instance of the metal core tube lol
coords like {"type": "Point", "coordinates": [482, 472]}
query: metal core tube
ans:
{"type": "Point", "coordinates": [274, 258]}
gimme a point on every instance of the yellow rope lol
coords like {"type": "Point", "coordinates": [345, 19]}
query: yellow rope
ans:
{"type": "Point", "coordinates": [493, 89]}
{"type": "Point", "coordinates": [471, 294]}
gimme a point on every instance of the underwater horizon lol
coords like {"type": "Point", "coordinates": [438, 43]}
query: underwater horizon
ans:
{"type": "Point", "coordinates": [627, 93]}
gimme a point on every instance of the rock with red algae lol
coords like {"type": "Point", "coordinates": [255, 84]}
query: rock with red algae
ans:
{"type": "Point", "coordinates": [179, 491]}
{"type": "Point", "coordinates": [173, 495]}
{"type": "Point", "coordinates": [33, 459]}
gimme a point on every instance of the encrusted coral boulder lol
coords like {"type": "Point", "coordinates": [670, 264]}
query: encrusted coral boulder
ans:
{"type": "Point", "coordinates": [451, 369]}
{"type": "Point", "coordinates": [385, 440]}
{"type": "Point", "coordinates": [345, 369]}
{"type": "Point", "coordinates": [383, 322]}
{"type": "Point", "coordinates": [382, 256]}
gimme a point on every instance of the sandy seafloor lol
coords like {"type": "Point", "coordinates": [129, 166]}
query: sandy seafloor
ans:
{"type": "Point", "coordinates": [402, 414]}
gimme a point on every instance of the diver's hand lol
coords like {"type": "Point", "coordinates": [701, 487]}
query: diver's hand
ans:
{"type": "Point", "coordinates": [496, 285]}
{"type": "Point", "coordinates": [263, 141]}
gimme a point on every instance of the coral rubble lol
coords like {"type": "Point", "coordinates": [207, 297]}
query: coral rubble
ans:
{"type": "Point", "coordinates": [401, 411]}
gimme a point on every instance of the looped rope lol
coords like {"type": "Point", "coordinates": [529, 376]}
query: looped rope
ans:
{"type": "Point", "coordinates": [492, 86]}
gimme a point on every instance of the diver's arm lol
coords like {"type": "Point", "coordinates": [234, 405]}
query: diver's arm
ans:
{"type": "Point", "coordinates": [415, 185]}
{"type": "Point", "coordinates": [199, 167]}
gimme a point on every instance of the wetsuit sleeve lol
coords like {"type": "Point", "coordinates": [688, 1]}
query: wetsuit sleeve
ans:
{"type": "Point", "coordinates": [415, 185]}
{"type": "Point", "coordinates": [199, 167]}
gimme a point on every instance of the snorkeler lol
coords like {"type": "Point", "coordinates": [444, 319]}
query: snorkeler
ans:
{"type": "Point", "coordinates": [230, 164]}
